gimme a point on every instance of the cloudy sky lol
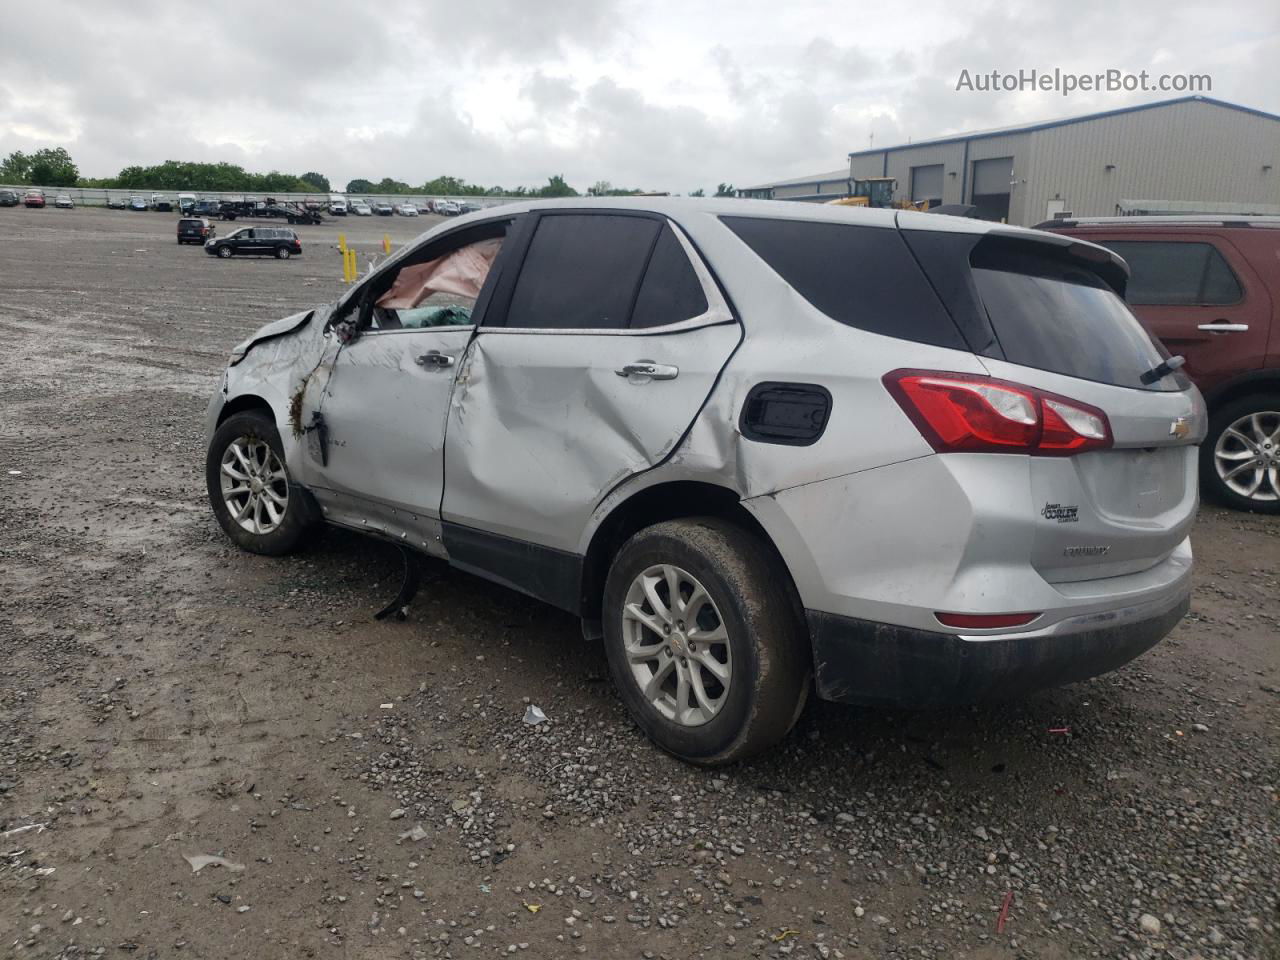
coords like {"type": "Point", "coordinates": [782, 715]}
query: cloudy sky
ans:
{"type": "Point", "coordinates": [661, 94]}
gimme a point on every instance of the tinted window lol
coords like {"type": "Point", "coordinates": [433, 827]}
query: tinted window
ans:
{"type": "Point", "coordinates": [582, 272]}
{"type": "Point", "coordinates": [864, 277]}
{"type": "Point", "coordinates": [1177, 273]}
{"type": "Point", "coordinates": [1058, 316]}
{"type": "Point", "coordinates": [670, 291]}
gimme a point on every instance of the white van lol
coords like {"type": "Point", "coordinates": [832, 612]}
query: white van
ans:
{"type": "Point", "coordinates": [337, 205]}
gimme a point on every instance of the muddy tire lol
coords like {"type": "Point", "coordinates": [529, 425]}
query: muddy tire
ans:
{"type": "Point", "coordinates": [721, 672]}
{"type": "Point", "coordinates": [1240, 456]}
{"type": "Point", "coordinates": [256, 501]}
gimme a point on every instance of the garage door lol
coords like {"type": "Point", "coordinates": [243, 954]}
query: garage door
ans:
{"type": "Point", "coordinates": [992, 176]}
{"type": "Point", "coordinates": [926, 184]}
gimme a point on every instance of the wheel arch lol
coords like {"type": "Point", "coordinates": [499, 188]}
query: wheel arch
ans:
{"type": "Point", "coordinates": [241, 403]}
{"type": "Point", "coordinates": [1263, 381]}
{"type": "Point", "coordinates": [671, 500]}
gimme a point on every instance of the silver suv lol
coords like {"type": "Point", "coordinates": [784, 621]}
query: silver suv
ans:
{"type": "Point", "coordinates": [759, 448]}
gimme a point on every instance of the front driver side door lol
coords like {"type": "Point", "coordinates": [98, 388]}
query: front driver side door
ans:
{"type": "Point", "coordinates": [384, 400]}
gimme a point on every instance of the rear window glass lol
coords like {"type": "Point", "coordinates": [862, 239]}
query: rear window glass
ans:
{"type": "Point", "coordinates": [670, 291]}
{"type": "Point", "coordinates": [1177, 273]}
{"type": "Point", "coordinates": [863, 277]}
{"type": "Point", "coordinates": [1058, 316]}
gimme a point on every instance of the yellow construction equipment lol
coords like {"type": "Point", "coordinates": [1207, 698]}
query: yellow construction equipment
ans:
{"type": "Point", "coordinates": [877, 192]}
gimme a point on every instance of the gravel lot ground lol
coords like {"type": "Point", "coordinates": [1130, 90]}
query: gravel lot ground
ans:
{"type": "Point", "coordinates": [163, 696]}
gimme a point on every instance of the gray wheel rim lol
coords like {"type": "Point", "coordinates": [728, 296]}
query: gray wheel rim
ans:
{"type": "Point", "coordinates": [1247, 456]}
{"type": "Point", "coordinates": [676, 645]}
{"type": "Point", "coordinates": [224, 251]}
{"type": "Point", "coordinates": [255, 485]}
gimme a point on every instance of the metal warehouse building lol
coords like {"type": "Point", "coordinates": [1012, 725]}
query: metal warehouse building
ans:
{"type": "Point", "coordinates": [1192, 154]}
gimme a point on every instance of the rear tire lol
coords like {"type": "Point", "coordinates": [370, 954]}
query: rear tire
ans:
{"type": "Point", "coordinates": [253, 496]}
{"type": "Point", "coordinates": [727, 683]}
{"type": "Point", "coordinates": [1244, 436]}
{"type": "Point", "coordinates": [283, 253]}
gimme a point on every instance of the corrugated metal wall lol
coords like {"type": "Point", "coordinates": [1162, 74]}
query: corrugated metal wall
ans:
{"type": "Point", "coordinates": [1186, 151]}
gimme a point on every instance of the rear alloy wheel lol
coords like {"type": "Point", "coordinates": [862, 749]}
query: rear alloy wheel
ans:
{"type": "Point", "coordinates": [256, 502]}
{"type": "Point", "coordinates": [704, 641]}
{"type": "Point", "coordinates": [224, 251]}
{"type": "Point", "coordinates": [1240, 459]}
{"type": "Point", "coordinates": [282, 253]}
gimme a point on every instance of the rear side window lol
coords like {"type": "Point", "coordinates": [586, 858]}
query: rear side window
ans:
{"type": "Point", "coordinates": [1059, 316]}
{"type": "Point", "coordinates": [1177, 274]}
{"type": "Point", "coordinates": [670, 291]}
{"type": "Point", "coordinates": [863, 277]}
{"type": "Point", "coordinates": [582, 272]}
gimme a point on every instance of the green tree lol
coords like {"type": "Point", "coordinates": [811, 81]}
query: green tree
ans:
{"type": "Point", "coordinates": [387, 185]}
{"type": "Point", "coordinates": [698, 193]}
{"type": "Point", "coordinates": [16, 168]}
{"type": "Point", "coordinates": [359, 186]}
{"type": "Point", "coordinates": [556, 187]}
{"type": "Point", "coordinates": [726, 190]}
{"type": "Point", "coordinates": [54, 167]}
{"type": "Point", "coordinates": [317, 180]}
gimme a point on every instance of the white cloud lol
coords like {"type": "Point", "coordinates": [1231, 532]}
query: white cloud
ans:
{"type": "Point", "coordinates": [648, 93]}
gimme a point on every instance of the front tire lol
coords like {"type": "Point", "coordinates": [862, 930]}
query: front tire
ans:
{"type": "Point", "coordinates": [225, 252]}
{"type": "Point", "coordinates": [1240, 457]}
{"type": "Point", "coordinates": [704, 642]}
{"type": "Point", "coordinates": [254, 498]}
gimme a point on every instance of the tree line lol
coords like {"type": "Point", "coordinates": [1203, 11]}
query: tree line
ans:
{"type": "Point", "coordinates": [53, 167]}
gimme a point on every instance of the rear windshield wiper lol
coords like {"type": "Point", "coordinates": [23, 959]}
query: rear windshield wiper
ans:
{"type": "Point", "coordinates": [1162, 370]}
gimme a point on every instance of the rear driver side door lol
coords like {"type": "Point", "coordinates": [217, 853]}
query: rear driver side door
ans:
{"type": "Point", "coordinates": [602, 344]}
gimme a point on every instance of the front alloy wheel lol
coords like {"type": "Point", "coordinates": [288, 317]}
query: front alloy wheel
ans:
{"type": "Point", "coordinates": [255, 486]}
{"type": "Point", "coordinates": [224, 251]}
{"type": "Point", "coordinates": [252, 495]}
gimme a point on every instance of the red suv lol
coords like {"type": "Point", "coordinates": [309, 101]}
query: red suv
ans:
{"type": "Point", "coordinates": [1209, 287]}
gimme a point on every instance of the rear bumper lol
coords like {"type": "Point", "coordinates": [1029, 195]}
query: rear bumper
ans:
{"type": "Point", "coordinates": [858, 661]}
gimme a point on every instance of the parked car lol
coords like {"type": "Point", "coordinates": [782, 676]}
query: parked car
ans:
{"type": "Point", "coordinates": [33, 198]}
{"type": "Point", "coordinates": [469, 206]}
{"type": "Point", "coordinates": [424, 206]}
{"type": "Point", "coordinates": [360, 208]}
{"type": "Point", "coordinates": [161, 203]}
{"type": "Point", "coordinates": [407, 210]}
{"type": "Point", "coordinates": [186, 203]}
{"type": "Point", "coordinates": [961, 471]}
{"type": "Point", "coordinates": [449, 208]}
{"type": "Point", "coordinates": [137, 203]}
{"type": "Point", "coordinates": [382, 209]}
{"type": "Point", "coordinates": [9, 198]}
{"type": "Point", "coordinates": [116, 203]}
{"type": "Point", "coordinates": [279, 242]}
{"type": "Point", "coordinates": [194, 230]}
{"type": "Point", "coordinates": [337, 205]}
{"type": "Point", "coordinates": [63, 202]}
{"type": "Point", "coordinates": [206, 208]}
{"type": "Point", "coordinates": [1209, 287]}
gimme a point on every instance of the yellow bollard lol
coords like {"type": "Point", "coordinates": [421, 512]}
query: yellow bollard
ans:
{"type": "Point", "coordinates": [386, 243]}
{"type": "Point", "coordinates": [342, 242]}
{"type": "Point", "coordinates": [346, 265]}
{"type": "Point", "coordinates": [352, 268]}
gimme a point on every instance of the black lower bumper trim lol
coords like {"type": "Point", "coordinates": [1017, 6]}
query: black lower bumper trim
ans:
{"type": "Point", "coordinates": [859, 661]}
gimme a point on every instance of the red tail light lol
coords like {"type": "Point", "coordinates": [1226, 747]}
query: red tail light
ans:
{"type": "Point", "coordinates": [964, 413]}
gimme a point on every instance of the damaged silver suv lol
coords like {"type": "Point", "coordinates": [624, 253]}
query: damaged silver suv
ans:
{"type": "Point", "coordinates": [759, 448]}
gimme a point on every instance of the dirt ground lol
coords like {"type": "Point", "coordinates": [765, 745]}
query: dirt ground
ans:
{"type": "Point", "coordinates": [163, 696]}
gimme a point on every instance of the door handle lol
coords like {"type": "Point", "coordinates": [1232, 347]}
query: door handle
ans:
{"type": "Point", "coordinates": [1221, 326]}
{"type": "Point", "coordinates": [649, 370]}
{"type": "Point", "coordinates": [434, 358]}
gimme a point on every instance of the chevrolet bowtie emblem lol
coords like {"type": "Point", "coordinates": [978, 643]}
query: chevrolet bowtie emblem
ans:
{"type": "Point", "coordinates": [1180, 428]}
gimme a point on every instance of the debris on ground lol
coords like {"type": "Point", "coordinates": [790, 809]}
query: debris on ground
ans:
{"type": "Point", "coordinates": [200, 861]}
{"type": "Point", "coordinates": [534, 715]}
